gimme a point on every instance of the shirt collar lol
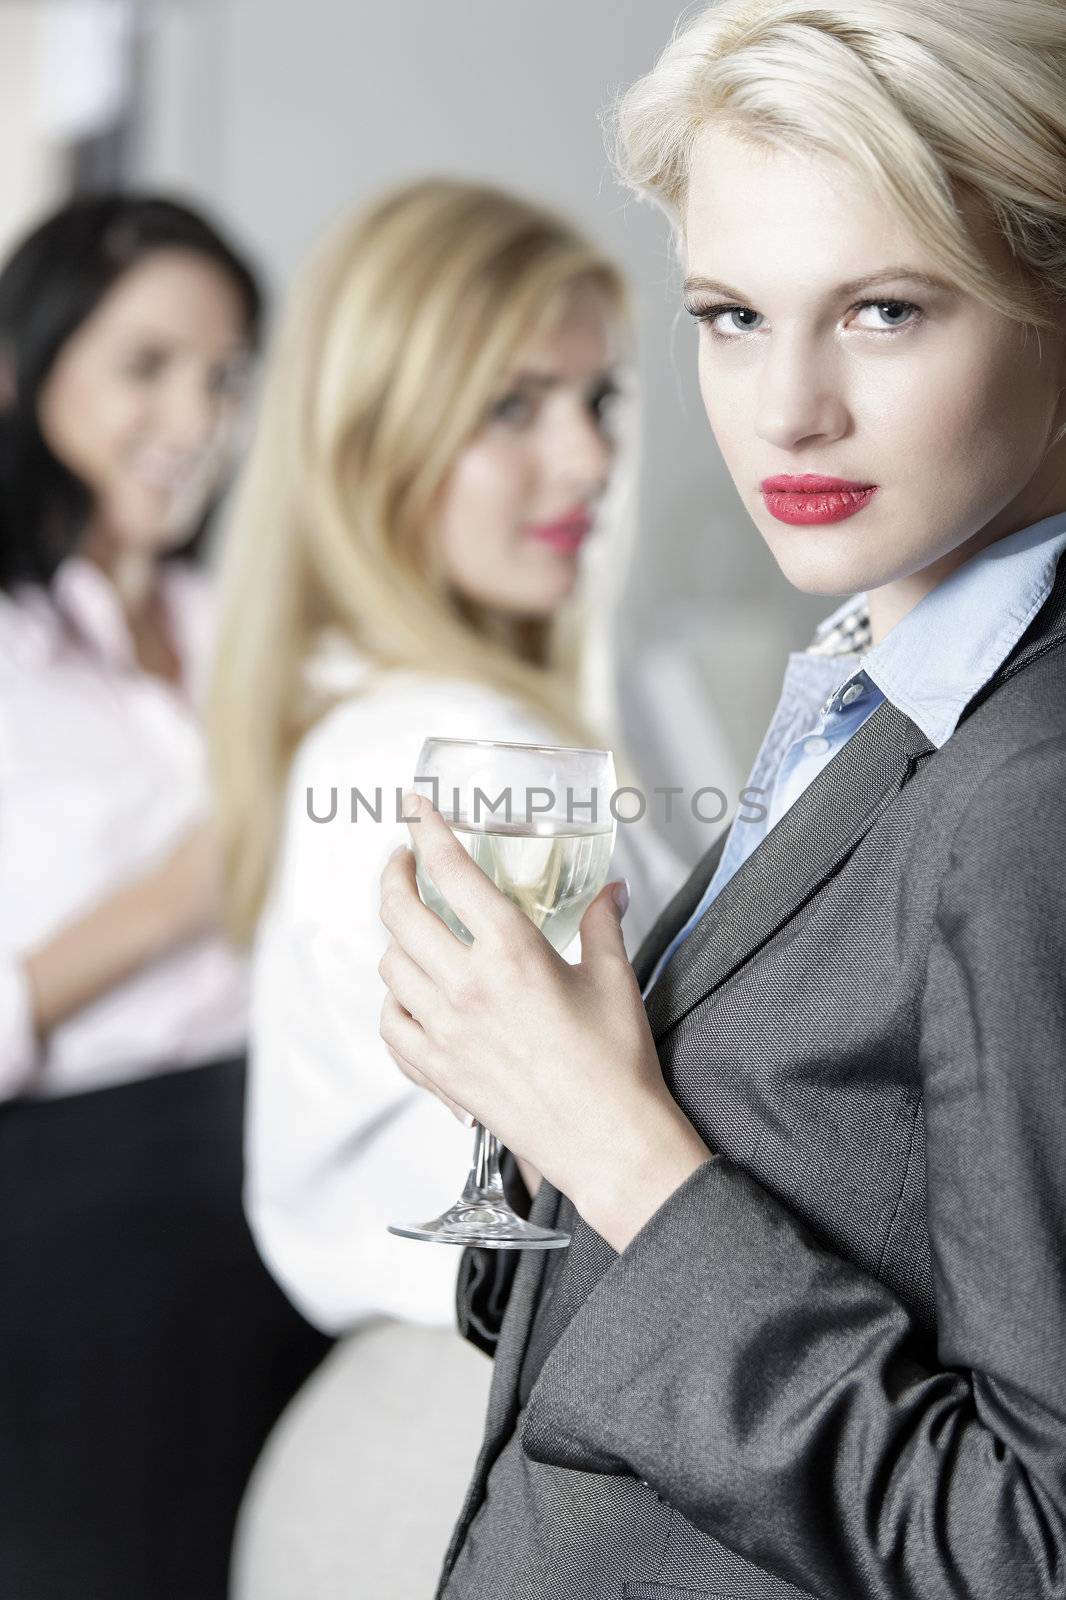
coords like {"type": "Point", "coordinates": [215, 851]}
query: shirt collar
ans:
{"type": "Point", "coordinates": [87, 600]}
{"type": "Point", "coordinates": [936, 658]}
{"type": "Point", "coordinates": [77, 605]}
{"type": "Point", "coordinates": [81, 604]}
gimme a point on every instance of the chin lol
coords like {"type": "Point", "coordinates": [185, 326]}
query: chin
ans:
{"type": "Point", "coordinates": [543, 606]}
{"type": "Point", "coordinates": [543, 599]}
{"type": "Point", "coordinates": [539, 610]}
{"type": "Point", "coordinates": [149, 533]}
{"type": "Point", "coordinates": [827, 560]}
{"type": "Point", "coordinates": [533, 593]}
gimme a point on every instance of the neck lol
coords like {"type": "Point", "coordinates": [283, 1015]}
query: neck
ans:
{"type": "Point", "coordinates": [891, 603]}
{"type": "Point", "coordinates": [132, 573]}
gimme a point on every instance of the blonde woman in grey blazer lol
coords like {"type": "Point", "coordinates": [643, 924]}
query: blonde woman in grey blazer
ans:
{"type": "Point", "coordinates": [810, 1336]}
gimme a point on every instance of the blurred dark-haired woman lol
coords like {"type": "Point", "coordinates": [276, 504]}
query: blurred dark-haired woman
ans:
{"type": "Point", "coordinates": [144, 1351]}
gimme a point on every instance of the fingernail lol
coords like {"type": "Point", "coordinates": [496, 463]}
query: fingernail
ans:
{"type": "Point", "coordinates": [621, 896]}
{"type": "Point", "coordinates": [399, 850]}
{"type": "Point", "coordinates": [412, 804]}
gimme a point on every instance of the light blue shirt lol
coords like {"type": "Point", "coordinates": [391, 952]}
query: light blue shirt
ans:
{"type": "Point", "coordinates": [930, 665]}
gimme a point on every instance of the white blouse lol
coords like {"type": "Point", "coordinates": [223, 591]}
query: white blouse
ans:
{"type": "Point", "coordinates": [102, 772]}
{"type": "Point", "coordinates": [339, 1143]}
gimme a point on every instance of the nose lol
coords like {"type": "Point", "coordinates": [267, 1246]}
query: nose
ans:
{"type": "Point", "coordinates": [192, 413]}
{"type": "Point", "coordinates": [581, 453]}
{"type": "Point", "coordinates": [800, 400]}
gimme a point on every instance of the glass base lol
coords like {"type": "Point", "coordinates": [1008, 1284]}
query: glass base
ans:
{"type": "Point", "coordinates": [483, 1225]}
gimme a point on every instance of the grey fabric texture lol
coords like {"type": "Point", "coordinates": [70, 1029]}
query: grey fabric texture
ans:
{"type": "Point", "coordinates": [833, 1364]}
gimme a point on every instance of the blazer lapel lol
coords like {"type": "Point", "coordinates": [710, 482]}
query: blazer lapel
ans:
{"type": "Point", "coordinates": [791, 863]}
{"type": "Point", "coordinates": [811, 840]}
{"type": "Point", "coordinates": [677, 911]}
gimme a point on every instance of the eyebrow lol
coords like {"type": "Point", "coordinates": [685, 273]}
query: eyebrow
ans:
{"type": "Point", "coordinates": [550, 380]}
{"type": "Point", "coordinates": [140, 335]}
{"type": "Point", "coordinates": [533, 380]}
{"type": "Point", "coordinates": [700, 285]}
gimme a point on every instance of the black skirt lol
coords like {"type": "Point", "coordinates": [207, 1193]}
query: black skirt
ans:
{"type": "Point", "coordinates": [144, 1349]}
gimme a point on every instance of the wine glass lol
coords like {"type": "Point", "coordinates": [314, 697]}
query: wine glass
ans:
{"type": "Point", "coordinates": [538, 820]}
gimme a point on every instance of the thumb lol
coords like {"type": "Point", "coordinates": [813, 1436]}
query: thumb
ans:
{"type": "Point", "coordinates": [601, 926]}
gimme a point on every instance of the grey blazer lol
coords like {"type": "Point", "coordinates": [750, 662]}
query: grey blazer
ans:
{"type": "Point", "coordinates": [833, 1364]}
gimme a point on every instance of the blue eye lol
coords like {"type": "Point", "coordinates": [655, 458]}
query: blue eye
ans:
{"type": "Point", "coordinates": [897, 314]}
{"type": "Point", "coordinates": [729, 322]}
{"type": "Point", "coordinates": [743, 319]}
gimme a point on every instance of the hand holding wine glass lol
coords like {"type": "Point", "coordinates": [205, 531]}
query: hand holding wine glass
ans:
{"type": "Point", "coordinates": [556, 1058]}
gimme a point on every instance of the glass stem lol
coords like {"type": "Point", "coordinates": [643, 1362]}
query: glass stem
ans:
{"type": "Point", "coordinates": [485, 1178]}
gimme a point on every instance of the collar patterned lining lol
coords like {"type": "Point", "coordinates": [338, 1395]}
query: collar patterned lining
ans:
{"type": "Point", "coordinates": [850, 636]}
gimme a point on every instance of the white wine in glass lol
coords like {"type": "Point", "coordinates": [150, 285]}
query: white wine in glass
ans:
{"type": "Point", "coordinates": [549, 853]}
{"type": "Point", "coordinates": [550, 869]}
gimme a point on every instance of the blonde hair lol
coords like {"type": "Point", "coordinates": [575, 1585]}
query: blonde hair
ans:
{"type": "Point", "coordinates": [927, 101]}
{"type": "Point", "coordinates": [394, 343]}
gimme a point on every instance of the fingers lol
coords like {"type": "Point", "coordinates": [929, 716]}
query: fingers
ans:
{"type": "Point", "coordinates": [415, 928]}
{"type": "Point", "coordinates": [405, 1037]}
{"type": "Point", "coordinates": [601, 926]}
{"type": "Point", "coordinates": [410, 1071]}
{"type": "Point", "coordinates": [407, 982]}
{"type": "Point", "coordinates": [392, 1018]}
{"type": "Point", "coordinates": [476, 901]}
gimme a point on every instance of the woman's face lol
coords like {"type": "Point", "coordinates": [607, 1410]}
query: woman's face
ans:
{"type": "Point", "coordinates": [141, 400]}
{"type": "Point", "coordinates": [519, 502]}
{"type": "Point", "coordinates": [830, 345]}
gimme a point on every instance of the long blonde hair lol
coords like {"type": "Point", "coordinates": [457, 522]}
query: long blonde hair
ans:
{"type": "Point", "coordinates": [394, 342]}
{"type": "Point", "coordinates": [925, 100]}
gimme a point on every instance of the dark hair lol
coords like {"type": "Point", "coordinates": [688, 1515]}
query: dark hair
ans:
{"type": "Point", "coordinates": [50, 285]}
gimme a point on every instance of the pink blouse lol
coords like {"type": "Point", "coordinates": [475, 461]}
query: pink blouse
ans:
{"type": "Point", "coordinates": [102, 772]}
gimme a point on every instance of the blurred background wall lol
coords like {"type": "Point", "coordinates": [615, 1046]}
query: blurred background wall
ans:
{"type": "Point", "coordinates": [278, 114]}
{"type": "Point", "coordinates": [31, 175]}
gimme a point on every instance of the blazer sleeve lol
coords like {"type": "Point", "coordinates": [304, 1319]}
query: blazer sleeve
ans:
{"type": "Point", "coordinates": [784, 1400]}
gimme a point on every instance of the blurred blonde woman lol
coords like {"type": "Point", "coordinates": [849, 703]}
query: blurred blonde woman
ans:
{"type": "Point", "coordinates": [435, 440]}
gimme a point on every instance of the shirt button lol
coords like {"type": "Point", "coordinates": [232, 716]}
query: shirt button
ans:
{"type": "Point", "coordinates": [853, 692]}
{"type": "Point", "coordinates": [816, 746]}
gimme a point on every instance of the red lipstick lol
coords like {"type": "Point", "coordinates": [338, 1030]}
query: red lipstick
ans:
{"type": "Point", "coordinates": [812, 497]}
{"type": "Point", "coordinates": [567, 535]}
